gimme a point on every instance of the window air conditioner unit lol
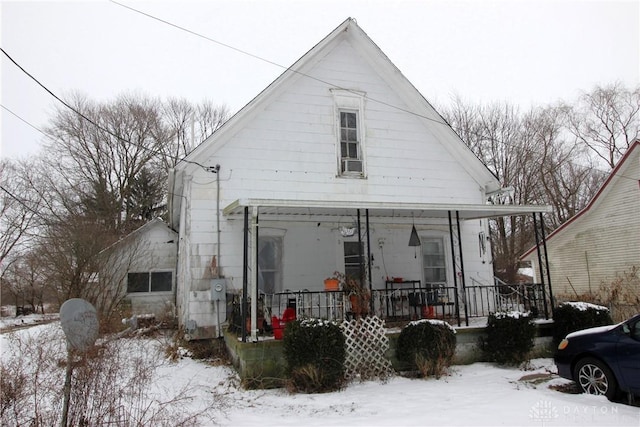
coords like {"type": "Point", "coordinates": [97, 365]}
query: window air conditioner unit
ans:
{"type": "Point", "coordinates": [349, 165]}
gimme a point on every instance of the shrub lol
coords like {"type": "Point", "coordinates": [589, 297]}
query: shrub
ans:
{"type": "Point", "coordinates": [427, 346]}
{"type": "Point", "coordinates": [315, 352]}
{"type": "Point", "coordinates": [574, 316]}
{"type": "Point", "coordinates": [509, 337]}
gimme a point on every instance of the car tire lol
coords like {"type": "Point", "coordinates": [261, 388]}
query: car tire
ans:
{"type": "Point", "coordinates": [595, 377]}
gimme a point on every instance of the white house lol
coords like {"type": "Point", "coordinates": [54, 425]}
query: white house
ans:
{"type": "Point", "coordinates": [602, 240]}
{"type": "Point", "coordinates": [328, 169]}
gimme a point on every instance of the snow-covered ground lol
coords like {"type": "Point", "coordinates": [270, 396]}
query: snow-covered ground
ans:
{"type": "Point", "coordinates": [480, 394]}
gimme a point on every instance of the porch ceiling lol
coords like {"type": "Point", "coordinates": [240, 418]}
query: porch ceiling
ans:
{"type": "Point", "coordinates": [308, 208]}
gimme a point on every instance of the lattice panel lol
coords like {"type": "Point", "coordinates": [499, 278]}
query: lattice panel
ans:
{"type": "Point", "coordinates": [366, 344]}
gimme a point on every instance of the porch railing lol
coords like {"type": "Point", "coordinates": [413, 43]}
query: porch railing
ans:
{"type": "Point", "coordinates": [432, 301]}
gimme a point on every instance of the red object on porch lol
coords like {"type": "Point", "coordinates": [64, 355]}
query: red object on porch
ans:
{"type": "Point", "coordinates": [277, 327]}
{"type": "Point", "coordinates": [279, 324]}
{"type": "Point", "coordinates": [428, 312]}
{"type": "Point", "coordinates": [288, 315]}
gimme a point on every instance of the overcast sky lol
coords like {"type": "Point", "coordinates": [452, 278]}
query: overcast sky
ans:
{"type": "Point", "coordinates": [525, 52]}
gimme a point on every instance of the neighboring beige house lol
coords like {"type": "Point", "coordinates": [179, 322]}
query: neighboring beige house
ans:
{"type": "Point", "coordinates": [602, 240]}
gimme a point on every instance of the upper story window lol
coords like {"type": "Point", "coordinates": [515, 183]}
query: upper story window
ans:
{"type": "Point", "coordinates": [350, 148]}
{"type": "Point", "coordinates": [350, 158]}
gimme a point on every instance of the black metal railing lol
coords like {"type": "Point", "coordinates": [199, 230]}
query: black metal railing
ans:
{"type": "Point", "coordinates": [430, 301]}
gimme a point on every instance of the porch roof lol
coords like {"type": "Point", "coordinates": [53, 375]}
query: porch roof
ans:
{"type": "Point", "coordinates": [305, 208]}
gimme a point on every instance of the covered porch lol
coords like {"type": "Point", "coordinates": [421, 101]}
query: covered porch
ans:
{"type": "Point", "coordinates": [393, 297]}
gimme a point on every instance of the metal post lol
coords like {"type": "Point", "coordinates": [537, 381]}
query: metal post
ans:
{"type": "Point", "coordinates": [455, 276]}
{"type": "Point", "coordinates": [67, 388]}
{"type": "Point", "coordinates": [369, 261]}
{"type": "Point", "coordinates": [254, 268]}
{"type": "Point", "coordinates": [540, 266]}
{"type": "Point", "coordinates": [546, 261]}
{"type": "Point", "coordinates": [464, 284]}
{"type": "Point", "coordinates": [245, 276]}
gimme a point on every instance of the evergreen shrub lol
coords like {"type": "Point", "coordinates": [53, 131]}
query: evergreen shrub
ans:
{"type": "Point", "coordinates": [574, 316]}
{"type": "Point", "coordinates": [314, 351]}
{"type": "Point", "coordinates": [509, 337]}
{"type": "Point", "coordinates": [427, 346]}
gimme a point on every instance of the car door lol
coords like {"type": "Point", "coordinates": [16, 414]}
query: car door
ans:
{"type": "Point", "coordinates": [628, 354]}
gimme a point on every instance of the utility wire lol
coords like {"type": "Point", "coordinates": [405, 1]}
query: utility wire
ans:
{"type": "Point", "coordinates": [260, 58]}
{"type": "Point", "coordinates": [79, 113]}
{"type": "Point", "coordinates": [23, 120]}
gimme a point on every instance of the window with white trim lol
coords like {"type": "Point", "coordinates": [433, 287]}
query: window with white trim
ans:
{"type": "Point", "coordinates": [350, 150]}
{"type": "Point", "coordinates": [154, 281]}
{"type": "Point", "coordinates": [350, 157]}
{"type": "Point", "coordinates": [434, 260]}
{"type": "Point", "coordinates": [270, 264]}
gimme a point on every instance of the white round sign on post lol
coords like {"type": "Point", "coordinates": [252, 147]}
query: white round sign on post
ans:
{"type": "Point", "coordinates": [79, 321]}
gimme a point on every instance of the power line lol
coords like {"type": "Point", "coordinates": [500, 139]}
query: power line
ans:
{"type": "Point", "coordinates": [23, 120]}
{"type": "Point", "coordinates": [79, 113]}
{"type": "Point", "coordinates": [268, 61]}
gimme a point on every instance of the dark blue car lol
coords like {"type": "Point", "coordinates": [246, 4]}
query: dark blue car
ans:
{"type": "Point", "coordinates": [603, 360]}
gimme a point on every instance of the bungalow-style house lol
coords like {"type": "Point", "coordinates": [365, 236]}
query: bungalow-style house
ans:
{"type": "Point", "coordinates": [339, 165]}
{"type": "Point", "coordinates": [601, 241]}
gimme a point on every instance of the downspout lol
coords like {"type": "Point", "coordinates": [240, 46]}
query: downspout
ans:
{"type": "Point", "coordinates": [218, 266]}
{"type": "Point", "coordinates": [172, 179]}
{"type": "Point", "coordinates": [179, 248]}
{"type": "Point", "coordinates": [218, 222]}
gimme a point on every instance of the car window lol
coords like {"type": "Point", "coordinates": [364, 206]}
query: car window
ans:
{"type": "Point", "coordinates": [635, 331]}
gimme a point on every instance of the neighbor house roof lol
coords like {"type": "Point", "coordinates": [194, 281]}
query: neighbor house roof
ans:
{"type": "Point", "coordinates": [615, 175]}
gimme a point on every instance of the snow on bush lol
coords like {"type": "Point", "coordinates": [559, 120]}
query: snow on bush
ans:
{"type": "Point", "coordinates": [584, 306]}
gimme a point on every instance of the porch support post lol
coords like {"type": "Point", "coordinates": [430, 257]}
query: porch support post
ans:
{"type": "Point", "coordinates": [543, 262]}
{"type": "Point", "coordinates": [455, 275]}
{"type": "Point", "coordinates": [546, 261]}
{"type": "Point", "coordinates": [245, 275]}
{"type": "Point", "coordinates": [463, 293]}
{"type": "Point", "coordinates": [464, 282]}
{"type": "Point", "coordinates": [254, 270]}
{"type": "Point", "coordinates": [369, 259]}
{"type": "Point", "coordinates": [360, 254]}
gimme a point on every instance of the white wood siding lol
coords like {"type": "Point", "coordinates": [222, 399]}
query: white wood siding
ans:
{"type": "Point", "coordinates": [603, 242]}
{"type": "Point", "coordinates": [289, 150]}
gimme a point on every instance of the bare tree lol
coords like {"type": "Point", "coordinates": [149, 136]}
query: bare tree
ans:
{"type": "Point", "coordinates": [102, 157]}
{"type": "Point", "coordinates": [607, 120]}
{"type": "Point", "coordinates": [18, 208]}
{"type": "Point", "coordinates": [189, 125]}
{"type": "Point", "coordinates": [530, 155]}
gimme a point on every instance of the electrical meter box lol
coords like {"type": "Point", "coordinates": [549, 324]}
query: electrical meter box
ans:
{"type": "Point", "coordinates": [218, 290]}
